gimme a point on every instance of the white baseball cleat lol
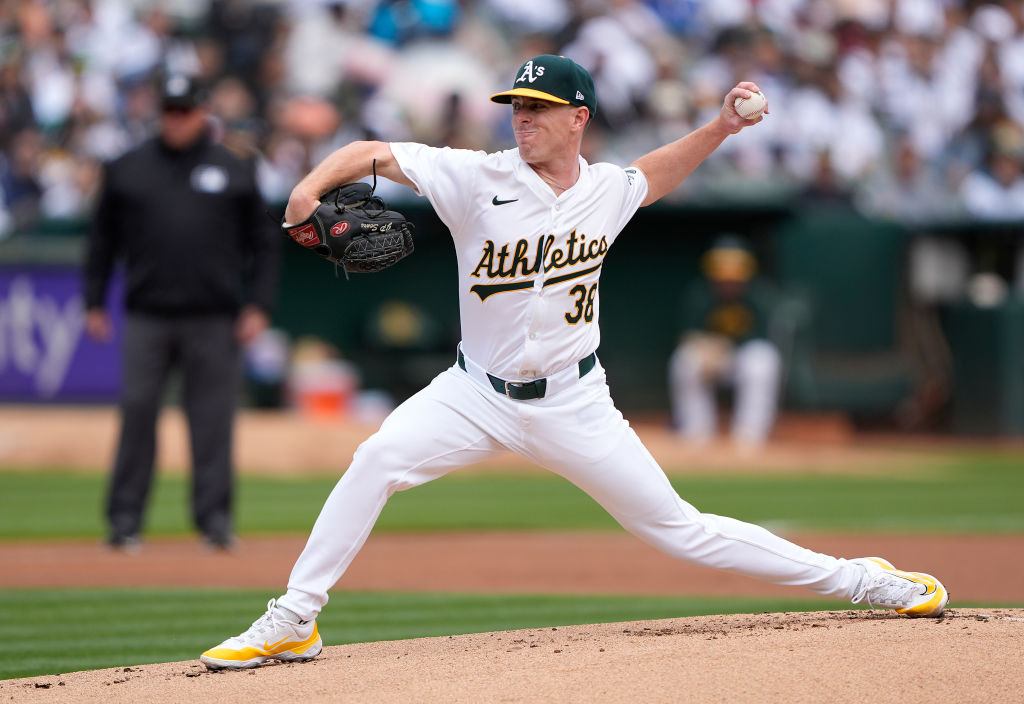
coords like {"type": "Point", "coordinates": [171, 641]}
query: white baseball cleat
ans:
{"type": "Point", "coordinates": [273, 636]}
{"type": "Point", "coordinates": [910, 593]}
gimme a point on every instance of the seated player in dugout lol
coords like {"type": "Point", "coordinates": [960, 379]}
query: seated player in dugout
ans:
{"type": "Point", "coordinates": [724, 344]}
{"type": "Point", "coordinates": [526, 377]}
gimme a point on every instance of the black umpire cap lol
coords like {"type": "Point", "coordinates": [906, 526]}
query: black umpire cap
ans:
{"type": "Point", "coordinates": [180, 92]}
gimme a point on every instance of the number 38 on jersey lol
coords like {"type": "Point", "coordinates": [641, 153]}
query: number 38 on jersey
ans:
{"type": "Point", "coordinates": [584, 304]}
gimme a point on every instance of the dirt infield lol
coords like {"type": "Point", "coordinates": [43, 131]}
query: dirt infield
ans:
{"type": "Point", "coordinates": [275, 442]}
{"type": "Point", "coordinates": [971, 655]}
{"type": "Point", "coordinates": [973, 568]}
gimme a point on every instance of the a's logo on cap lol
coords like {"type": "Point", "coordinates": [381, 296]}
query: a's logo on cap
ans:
{"type": "Point", "coordinates": [529, 71]}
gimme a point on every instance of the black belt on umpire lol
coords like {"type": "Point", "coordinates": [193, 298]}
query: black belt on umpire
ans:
{"type": "Point", "coordinates": [528, 390]}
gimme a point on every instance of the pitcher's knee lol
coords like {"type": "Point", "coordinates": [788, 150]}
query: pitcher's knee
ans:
{"type": "Point", "coordinates": [667, 526]}
{"type": "Point", "coordinates": [679, 539]}
{"type": "Point", "coordinates": [380, 461]}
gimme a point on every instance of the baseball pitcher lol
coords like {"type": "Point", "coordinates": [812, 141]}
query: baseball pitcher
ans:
{"type": "Point", "coordinates": [532, 227]}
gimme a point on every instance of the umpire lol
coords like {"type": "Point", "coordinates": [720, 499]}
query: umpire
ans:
{"type": "Point", "coordinates": [200, 257]}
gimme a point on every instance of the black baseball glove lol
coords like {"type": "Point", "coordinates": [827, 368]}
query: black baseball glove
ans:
{"type": "Point", "coordinates": [354, 229]}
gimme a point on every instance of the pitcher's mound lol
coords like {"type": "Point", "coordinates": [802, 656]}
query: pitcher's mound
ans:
{"type": "Point", "coordinates": [970, 655]}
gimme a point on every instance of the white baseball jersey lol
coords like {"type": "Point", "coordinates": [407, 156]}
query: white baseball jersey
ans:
{"type": "Point", "coordinates": [529, 261]}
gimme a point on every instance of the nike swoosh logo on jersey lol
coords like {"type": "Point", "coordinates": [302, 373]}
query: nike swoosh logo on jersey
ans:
{"type": "Point", "coordinates": [495, 201]}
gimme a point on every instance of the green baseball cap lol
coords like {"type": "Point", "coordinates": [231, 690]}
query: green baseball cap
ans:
{"type": "Point", "coordinates": [553, 78]}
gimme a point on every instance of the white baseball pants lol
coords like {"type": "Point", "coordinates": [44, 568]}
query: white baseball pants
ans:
{"type": "Point", "coordinates": [577, 433]}
{"type": "Point", "coordinates": [754, 373]}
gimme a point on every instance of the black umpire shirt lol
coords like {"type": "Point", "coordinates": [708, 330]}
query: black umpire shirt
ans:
{"type": "Point", "coordinates": [191, 228]}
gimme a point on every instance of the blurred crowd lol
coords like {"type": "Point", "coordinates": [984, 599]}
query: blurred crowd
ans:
{"type": "Point", "coordinates": [910, 110]}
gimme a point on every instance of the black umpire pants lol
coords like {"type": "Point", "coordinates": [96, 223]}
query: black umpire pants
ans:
{"type": "Point", "coordinates": [205, 350]}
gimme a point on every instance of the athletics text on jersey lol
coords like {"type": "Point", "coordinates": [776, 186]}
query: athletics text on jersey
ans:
{"type": "Point", "coordinates": [529, 261]}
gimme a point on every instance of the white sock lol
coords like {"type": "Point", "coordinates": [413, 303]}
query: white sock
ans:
{"type": "Point", "coordinates": [289, 614]}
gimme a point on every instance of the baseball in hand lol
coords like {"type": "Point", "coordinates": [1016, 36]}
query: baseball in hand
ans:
{"type": "Point", "coordinates": [752, 107]}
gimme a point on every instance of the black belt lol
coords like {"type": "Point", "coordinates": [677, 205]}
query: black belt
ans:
{"type": "Point", "coordinates": [528, 390]}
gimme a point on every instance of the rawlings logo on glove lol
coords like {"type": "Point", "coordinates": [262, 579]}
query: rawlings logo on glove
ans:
{"type": "Point", "coordinates": [304, 235]}
{"type": "Point", "coordinates": [354, 229]}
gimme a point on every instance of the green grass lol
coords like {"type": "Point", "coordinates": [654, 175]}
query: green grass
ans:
{"type": "Point", "coordinates": [965, 493]}
{"type": "Point", "coordinates": [54, 631]}
{"type": "Point", "coordinates": [51, 631]}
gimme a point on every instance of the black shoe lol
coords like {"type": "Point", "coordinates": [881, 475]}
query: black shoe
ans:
{"type": "Point", "coordinates": [219, 541]}
{"type": "Point", "coordinates": [130, 544]}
